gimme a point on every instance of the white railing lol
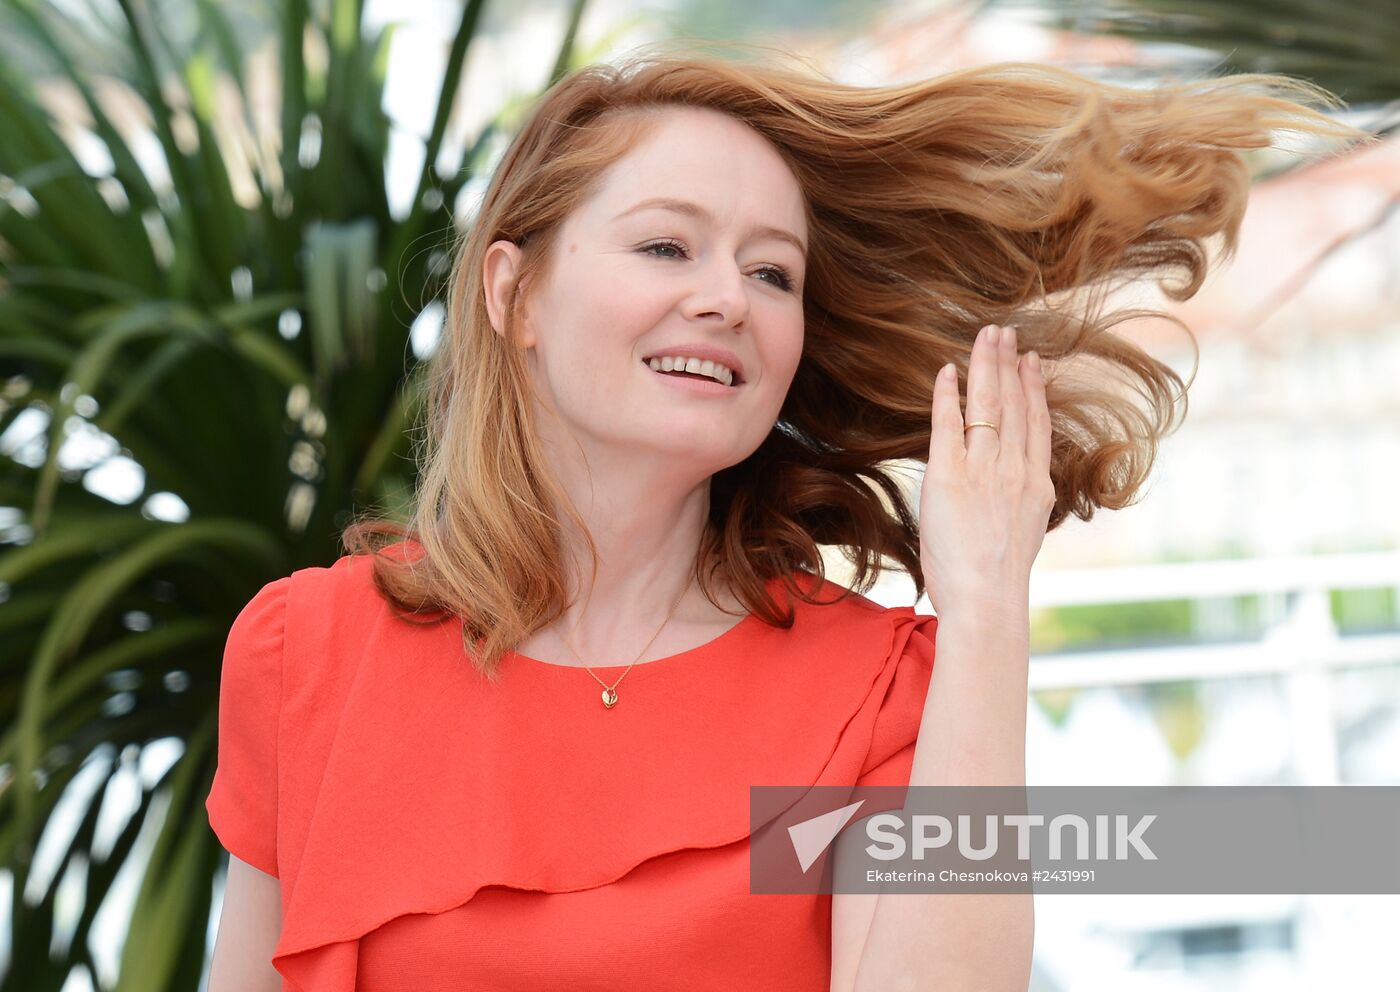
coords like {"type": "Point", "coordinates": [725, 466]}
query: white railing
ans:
{"type": "Point", "coordinates": [1301, 643]}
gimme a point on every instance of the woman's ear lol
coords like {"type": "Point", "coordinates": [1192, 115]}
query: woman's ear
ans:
{"type": "Point", "coordinates": [499, 271]}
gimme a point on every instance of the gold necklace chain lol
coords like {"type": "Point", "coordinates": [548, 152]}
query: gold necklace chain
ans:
{"type": "Point", "coordinates": [610, 691]}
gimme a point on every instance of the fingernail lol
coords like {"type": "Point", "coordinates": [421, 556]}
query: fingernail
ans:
{"type": "Point", "coordinates": [1035, 362]}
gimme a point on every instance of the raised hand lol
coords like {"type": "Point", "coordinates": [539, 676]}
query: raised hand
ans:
{"type": "Point", "coordinates": [987, 494]}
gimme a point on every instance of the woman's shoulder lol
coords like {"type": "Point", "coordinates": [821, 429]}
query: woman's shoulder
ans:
{"type": "Point", "coordinates": [831, 604]}
{"type": "Point", "coordinates": [329, 617]}
{"type": "Point", "coordinates": [343, 589]}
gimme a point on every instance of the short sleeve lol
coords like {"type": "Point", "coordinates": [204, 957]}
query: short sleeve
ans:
{"type": "Point", "coordinates": [891, 756]}
{"type": "Point", "coordinates": [242, 802]}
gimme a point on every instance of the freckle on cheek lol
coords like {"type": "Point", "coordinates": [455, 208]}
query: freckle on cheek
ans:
{"type": "Point", "coordinates": [573, 248]}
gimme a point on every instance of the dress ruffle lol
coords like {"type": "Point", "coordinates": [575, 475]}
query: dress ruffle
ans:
{"type": "Point", "coordinates": [407, 783]}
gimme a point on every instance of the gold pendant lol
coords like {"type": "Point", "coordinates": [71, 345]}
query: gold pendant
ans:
{"type": "Point", "coordinates": [609, 698]}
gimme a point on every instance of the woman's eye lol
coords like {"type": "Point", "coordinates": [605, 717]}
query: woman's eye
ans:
{"type": "Point", "coordinates": [673, 245]}
{"type": "Point", "coordinates": [782, 281]}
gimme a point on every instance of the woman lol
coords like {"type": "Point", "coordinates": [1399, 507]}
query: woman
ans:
{"type": "Point", "coordinates": [701, 304]}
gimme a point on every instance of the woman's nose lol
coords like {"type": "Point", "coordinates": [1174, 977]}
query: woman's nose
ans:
{"type": "Point", "coordinates": [721, 290]}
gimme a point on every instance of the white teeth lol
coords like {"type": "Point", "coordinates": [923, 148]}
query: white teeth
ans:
{"type": "Point", "coordinates": [672, 363]}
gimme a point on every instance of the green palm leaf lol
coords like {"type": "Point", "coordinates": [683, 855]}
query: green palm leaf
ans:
{"type": "Point", "coordinates": [1351, 47]}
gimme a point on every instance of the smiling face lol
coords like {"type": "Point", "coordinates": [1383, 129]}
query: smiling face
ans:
{"type": "Point", "coordinates": [629, 279]}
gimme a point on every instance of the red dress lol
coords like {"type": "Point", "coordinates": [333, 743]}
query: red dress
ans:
{"type": "Point", "coordinates": [432, 831]}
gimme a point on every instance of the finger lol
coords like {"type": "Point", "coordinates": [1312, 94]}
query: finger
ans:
{"type": "Point", "coordinates": [1037, 417]}
{"type": "Point", "coordinates": [983, 396]}
{"type": "Point", "coordinates": [1013, 399]}
{"type": "Point", "coordinates": [946, 438]}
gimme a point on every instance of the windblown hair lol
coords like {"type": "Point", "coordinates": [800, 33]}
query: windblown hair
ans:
{"type": "Point", "coordinates": [1008, 194]}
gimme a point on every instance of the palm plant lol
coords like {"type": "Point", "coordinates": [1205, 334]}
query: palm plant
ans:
{"type": "Point", "coordinates": [230, 310]}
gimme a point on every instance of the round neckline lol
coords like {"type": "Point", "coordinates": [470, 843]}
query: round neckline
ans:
{"type": "Point", "coordinates": [721, 639]}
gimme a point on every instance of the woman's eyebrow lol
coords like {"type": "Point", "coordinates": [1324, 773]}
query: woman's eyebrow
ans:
{"type": "Point", "coordinates": [700, 213]}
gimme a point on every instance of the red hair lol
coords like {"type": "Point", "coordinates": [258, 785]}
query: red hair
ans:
{"type": "Point", "coordinates": [1008, 194]}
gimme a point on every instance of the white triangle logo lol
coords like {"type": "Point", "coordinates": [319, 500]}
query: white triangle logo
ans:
{"type": "Point", "coordinates": [811, 837]}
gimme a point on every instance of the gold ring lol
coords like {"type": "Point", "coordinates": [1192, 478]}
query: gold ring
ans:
{"type": "Point", "coordinates": [981, 423]}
